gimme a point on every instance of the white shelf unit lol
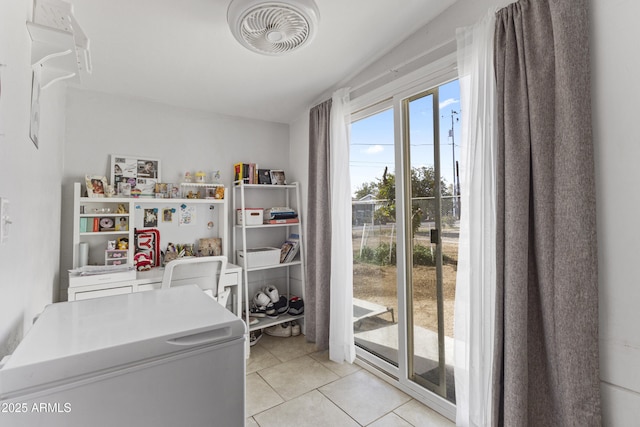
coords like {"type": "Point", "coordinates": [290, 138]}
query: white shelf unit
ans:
{"type": "Point", "coordinates": [289, 277]}
{"type": "Point", "coordinates": [59, 46]}
{"type": "Point", "coordinates": [94, 207]}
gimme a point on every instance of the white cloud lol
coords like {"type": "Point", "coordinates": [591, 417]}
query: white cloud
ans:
{"type": "Point", "coordinates": [448, 102]}
{"type": "Point", "coordinates": [374, 149]}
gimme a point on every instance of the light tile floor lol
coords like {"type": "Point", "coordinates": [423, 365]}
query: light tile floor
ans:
{"type": "Point", "coordinates": [290, 384]}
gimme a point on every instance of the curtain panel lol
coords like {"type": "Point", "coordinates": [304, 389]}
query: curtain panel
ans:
{"type": "Point", "coordinates": [341, 342]}
{"type": "Point", "coordinates": [546, 367]}
{"type": "Point", "coordinates": [318, 266]}
{"type": "Point", "coordinates": [476, 276]}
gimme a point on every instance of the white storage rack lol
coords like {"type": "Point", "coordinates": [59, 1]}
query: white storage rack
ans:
{"type": "Point", "coordinates": [291, 273]}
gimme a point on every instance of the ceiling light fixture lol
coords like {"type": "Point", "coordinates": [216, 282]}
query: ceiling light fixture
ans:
{"type": "Point", "coordinates": [273, 27]}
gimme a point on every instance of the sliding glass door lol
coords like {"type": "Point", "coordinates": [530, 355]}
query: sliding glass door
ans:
{"type": "Point", "coordinates": [406, 212]}
{"type": "Point", "coordinates": [432, 216]}
{"type": "Point", "coordinates": [375, 297]}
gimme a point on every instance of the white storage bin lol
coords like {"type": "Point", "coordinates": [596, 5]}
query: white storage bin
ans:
{"type": "Point", "coordinates": [254, 216]}
{"type": "Point", "coordinates": [259, 257]}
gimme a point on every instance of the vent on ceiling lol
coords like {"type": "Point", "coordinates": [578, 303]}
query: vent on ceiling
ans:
{"type": "Point", "coordinates": [273, 27]}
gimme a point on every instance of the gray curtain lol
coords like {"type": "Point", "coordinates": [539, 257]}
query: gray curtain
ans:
{"type": "Point", "coordinates": [547, 296]}
{"type": "Point", "coordinates": [318, 283]}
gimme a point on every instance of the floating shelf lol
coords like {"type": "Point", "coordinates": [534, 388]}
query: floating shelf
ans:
{"type": "Point", "coordinates": [58, 45]}
{"type": "Point", "coordinates": [54, 50]}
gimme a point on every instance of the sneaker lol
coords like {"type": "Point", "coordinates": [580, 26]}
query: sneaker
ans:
{"type": "Point", "coordinates": [253, 320]}
{"type": "Point", "coordinates": [296, 306]}
{"type": "Point", "coordinates": [272, 293]}
{"type": "Point", "coordinates": [271, 311]}
{"type": "Point", "coordinates": [256, 311]}
{"type": "Point", "coordinates": [281, 305]}
{"type": "Point", "coordinates": [254, 337]}
{"type": "Point", "coordinates": [295, 329]}
{"type": "Point", "coordinates": [282, 330]}
{"type": "Point", "coordinates": [261, 299]}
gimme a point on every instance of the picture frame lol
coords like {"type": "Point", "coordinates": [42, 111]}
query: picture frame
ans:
{"type": "Point", "coordinates": [277, 177]}
{"type": "Point", "coordinates": [210, 193]}
{"type": "Point", "coordinates": [122, 223]}
{"type": "Point", "coordinates": [264, 176]}
{"type": "Point", "coordinates": [96, 185]}
{"type": "Point", "coordinates": [141, 173]}
{"type": "Point", "coordinates": [211, 246]}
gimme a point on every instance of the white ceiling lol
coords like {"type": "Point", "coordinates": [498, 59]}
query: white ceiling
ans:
{"type": "Point", "coordinates": [182, 53]}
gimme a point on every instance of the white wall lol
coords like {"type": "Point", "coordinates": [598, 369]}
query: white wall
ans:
{"type": "Point", "coordinates": [614, 34]}
{"type": "Point", "coordinates": [30, 178]}
{"type": "Point", "coordinates": [99, 125]}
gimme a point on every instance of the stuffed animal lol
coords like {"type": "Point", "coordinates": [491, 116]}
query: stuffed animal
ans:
{"type": "Point", "coordinates": [142, 261]}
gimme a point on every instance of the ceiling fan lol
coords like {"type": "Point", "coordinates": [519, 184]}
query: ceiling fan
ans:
{"type": "Point", "coordinates": [273, 27]}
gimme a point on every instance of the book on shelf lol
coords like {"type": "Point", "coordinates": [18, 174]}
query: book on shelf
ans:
{"type": "Point", "coordinates": [83, 225]}
{"type": "Point", "coordinates": [245, 172]}
{"type": "Point", "coordinates": [280, 213]}
{"type": "Point", "coordinates": [290, 248]}
{"type": "Point", "coordinates": [282, 221]}
{"type": "Point", "coordinates": [96, 225]}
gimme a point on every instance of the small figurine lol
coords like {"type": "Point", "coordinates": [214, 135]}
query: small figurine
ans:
{"type": "Point", "coordinates": [123, 243]}
{"type": "Point", "coordinates": [121, 209]}
{"type": "Point", "coordinates": [187, 177]}
{"type": "Point", "coordinates": [109, 191]}
{"type": "Point", "coordinates": [201, 177]}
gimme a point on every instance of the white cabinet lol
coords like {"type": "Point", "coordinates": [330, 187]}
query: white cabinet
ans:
{"type": "Point", "coordinates": [97, 221]}
{"type": "Point", "coordinates": [288, 277]}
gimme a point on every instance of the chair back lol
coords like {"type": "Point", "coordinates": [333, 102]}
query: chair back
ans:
{"type": "Point", "coordinates": [206, 272]}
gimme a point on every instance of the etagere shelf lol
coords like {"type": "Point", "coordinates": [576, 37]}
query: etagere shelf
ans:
{"type": "Point", "coordinates": [288, 277]}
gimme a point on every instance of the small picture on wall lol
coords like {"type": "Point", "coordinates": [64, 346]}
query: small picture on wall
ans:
{"type": "Point", "coordinates": [167, 215]}
{"type": "Point", "coordinates": [151, 217]}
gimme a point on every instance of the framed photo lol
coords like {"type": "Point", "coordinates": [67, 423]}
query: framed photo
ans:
{"type": "Point", "coordinates": [211, 246]}
{"type": "Point", "coordinates": [277, 177]}
{"type": "Point", "coordinates": [210, 193]}
{"type": "Point", "coordinates": [122, 224]}
{"type": "Point", "coordinates": [167, 214]}
{"type": "Point", "coordinates": [96, 185]}
{"type": "Point", "coordinates": [141, 173]}
{"type": "Point", "coordinates": [264, 176]}
{"type": "Point", "coordinates": [151, 217]}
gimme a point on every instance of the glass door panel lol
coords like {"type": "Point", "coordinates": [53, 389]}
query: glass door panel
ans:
{"type": "Point", "coordinates": [375, 298]}
{"type": "Point", "coordinates": [434, 212]}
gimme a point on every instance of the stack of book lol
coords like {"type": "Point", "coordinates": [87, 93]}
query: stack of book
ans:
{"type": "Point", "coordinates": [290, 248]}
{"type": "Point", "coordinates": [280, 215]}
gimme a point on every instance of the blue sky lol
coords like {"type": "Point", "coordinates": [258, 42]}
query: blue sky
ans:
{"type": "Point", "coordinates": [372, 140]}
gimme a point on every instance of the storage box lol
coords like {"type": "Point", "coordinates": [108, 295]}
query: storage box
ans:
{"type": "Point", "coordinates": [254, 216]}
{"type": "Point", "coordinates": [259, 257]}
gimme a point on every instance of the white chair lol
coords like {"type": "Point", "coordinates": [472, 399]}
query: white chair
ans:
{"type": "Point", "coordinates": [206, 272]}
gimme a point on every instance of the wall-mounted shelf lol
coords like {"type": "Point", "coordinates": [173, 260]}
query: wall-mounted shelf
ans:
{"type": "Point", "coordinates": [58, 44]}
